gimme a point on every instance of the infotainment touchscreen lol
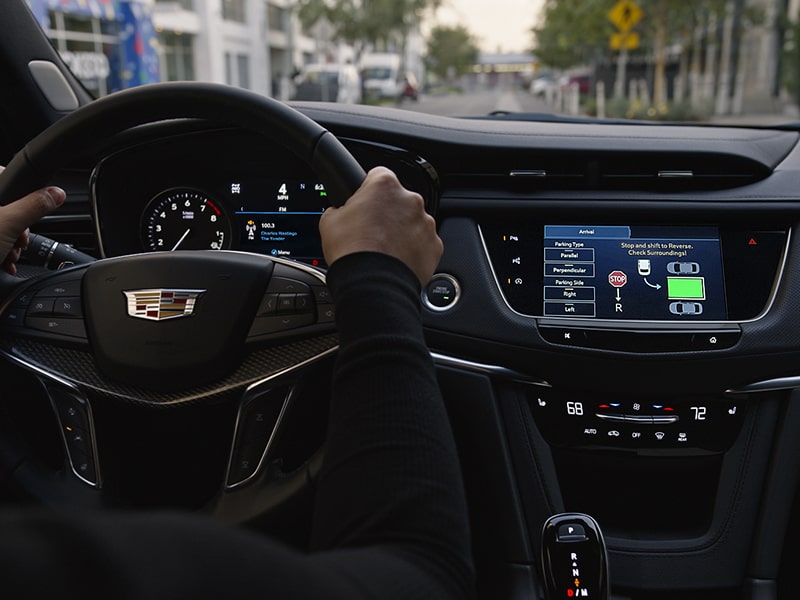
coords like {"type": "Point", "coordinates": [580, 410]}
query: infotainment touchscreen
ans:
{"type": "Point", "coordinates": [703, 272]}
{"type": "Point", "coordinates": [633, 272]}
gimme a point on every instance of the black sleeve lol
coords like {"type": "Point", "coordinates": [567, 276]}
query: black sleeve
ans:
{"type": "Point", "coordinates": [390, 520]}
{"type": "Point", "coordinates": [391, 477]}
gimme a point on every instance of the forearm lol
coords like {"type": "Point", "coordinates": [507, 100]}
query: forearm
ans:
{"type": "Point", "coordinates": [391, 475]}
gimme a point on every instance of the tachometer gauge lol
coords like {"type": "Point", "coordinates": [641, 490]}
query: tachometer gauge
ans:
{"type": "Point", "coordinates": [185, 219]}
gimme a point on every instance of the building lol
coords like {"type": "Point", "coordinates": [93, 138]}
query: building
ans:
{"type": "Point", "coordinates": [108, 44]}
{"type": "Point", "coordinates": [254, 44]}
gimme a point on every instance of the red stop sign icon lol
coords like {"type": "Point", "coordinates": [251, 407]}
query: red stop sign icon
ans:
{"type": "Point", "coordinates": [617, 279]}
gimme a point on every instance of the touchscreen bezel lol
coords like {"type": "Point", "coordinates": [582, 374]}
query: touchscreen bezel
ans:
{"type": "Point", "coordinates": [752, 260]}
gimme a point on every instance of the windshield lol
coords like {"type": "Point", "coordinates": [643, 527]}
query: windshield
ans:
{"type": "Point", "coordinates": [717, 61]}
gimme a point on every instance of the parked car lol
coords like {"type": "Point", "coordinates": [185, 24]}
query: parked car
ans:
{"type": "Point", "coordinates": [583, 83]}
{"type": "Point", "coordinates": [540, 85]}
{"type": "Point", "coordinates": [329, 83]}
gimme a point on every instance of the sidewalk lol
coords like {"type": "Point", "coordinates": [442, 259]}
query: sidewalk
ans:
{"type": "Point", "coordinates": [755, 119]}
{"type": "Point", "coordinates": [516, 101]}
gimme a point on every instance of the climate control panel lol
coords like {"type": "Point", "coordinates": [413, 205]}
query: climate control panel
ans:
{"type": "Point", "coordinates": [700, 423]}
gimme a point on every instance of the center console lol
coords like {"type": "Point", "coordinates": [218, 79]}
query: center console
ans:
{"type": "Point", "coordinates": [625, 429]}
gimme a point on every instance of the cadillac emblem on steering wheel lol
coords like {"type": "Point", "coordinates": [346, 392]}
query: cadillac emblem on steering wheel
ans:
{"type": "Point", "coordinates": [161, 304]}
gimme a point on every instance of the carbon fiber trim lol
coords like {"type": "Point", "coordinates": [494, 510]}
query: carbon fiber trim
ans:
{"type": "Point", "coordinates": [77, 367]}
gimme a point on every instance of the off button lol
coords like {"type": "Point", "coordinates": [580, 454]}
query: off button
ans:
{"type": "Point", "coordinates": [442, 292]}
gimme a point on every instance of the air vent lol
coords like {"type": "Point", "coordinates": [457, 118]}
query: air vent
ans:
{"type": "Point", "coordinates": [650, 172]}
{"type": "Point", "coordinates": [512, 172]}
{"type": "Point", "coordinates": [72, 224]}
{"type": "Point", "coordinates": [74, 230]}
{"type": "Point", "coordinates": [670, 172]}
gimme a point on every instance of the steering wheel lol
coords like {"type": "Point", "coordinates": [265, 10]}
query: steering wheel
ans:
{"type": "Point", "coordinates": [164, 329]}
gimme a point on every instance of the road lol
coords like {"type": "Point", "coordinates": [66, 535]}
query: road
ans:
{"type": "Point", "coordinates": [478, 103]}
{"type": "Point", "coordinates": [485, 101]}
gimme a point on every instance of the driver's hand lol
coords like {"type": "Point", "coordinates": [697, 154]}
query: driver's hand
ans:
{"type": "Point", "coordinates": [15, 218]}
{"type": "Point", "coordinates": [383, 216]}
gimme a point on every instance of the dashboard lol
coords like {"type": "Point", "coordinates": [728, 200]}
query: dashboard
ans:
{"type": "Point", "coordinates": [613, 319]}
{"type": "Point", "coordinates": [613, 322]}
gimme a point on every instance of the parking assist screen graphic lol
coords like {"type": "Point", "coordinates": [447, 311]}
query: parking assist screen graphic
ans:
{"type": "Point", "coordinates": [633, 272]}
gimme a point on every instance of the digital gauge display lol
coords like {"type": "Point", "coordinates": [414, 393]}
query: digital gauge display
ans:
{"type": "Point", "coordinates": [185, 219]}
{"type": "Point", "coordinates": [280, 217]}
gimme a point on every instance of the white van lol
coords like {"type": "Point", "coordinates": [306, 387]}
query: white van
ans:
{"type": "Point", "coordinates": [381, 74]}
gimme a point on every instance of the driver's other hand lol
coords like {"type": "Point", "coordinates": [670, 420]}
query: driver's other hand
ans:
{"type": "Point", "coordinates": [383, 216]}
{"type": "Point", "coordinates": [16, 217]}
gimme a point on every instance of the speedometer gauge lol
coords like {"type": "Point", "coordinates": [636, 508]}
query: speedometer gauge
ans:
{"type": "Point", "coordinates": [185, 219]}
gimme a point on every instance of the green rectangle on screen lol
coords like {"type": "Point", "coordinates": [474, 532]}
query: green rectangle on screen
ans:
{"type": "Point", "coordinates": [686, 288]}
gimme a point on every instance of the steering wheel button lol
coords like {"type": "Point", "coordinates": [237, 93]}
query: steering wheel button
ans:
{"type": "Point", "coordinates": [70, 409]}
{"type": "Point", "coordinates": [277, 324]}
{"type": "Point", "coordinates": [78, 441]}
{"type": "Point", "coordinates": [68, 307]}
{"type": "Point", "coordinates": [60, 326]}
{"type": "Point", "coordinates": [23, 299]}
{"type": "Point", "coordinates": [286, 303]}
{"type": "Point", "coordinates": [14, 317]}
{"type": "Point", "coordinates": [303, 303]}
{"type": "Point", "coordinates": [322, 295]}
{"type": "Point", "coordinates": [245, 462]}
{"type": "Point", "coordinates": [260, 417]}
{"type": "Point", "coordinates": [40, 306]}
{"type": "Point", "coordinates": [326, 313]}
{"type": "Point", "coordinates": [71, 287]}
{"type": "Point", "coordinates": [83, 465]}
{"type": "Point", "coordinates": [268, 305]}
{"type": "Point", "coordinates": [283, 285]}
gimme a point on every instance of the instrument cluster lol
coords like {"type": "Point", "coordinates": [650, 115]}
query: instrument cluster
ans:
{"type": "Point", "coordinates": [226, 190]}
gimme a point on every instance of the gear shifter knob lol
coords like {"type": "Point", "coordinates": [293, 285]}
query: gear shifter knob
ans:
{"type": "Point", "coordinates": [574, 561]}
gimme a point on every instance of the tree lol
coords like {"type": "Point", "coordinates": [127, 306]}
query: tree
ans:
{"type": "Point", "coordinates": [577, 32]}
{"type": "Point", "coordinates": [573, 32]}
{"type": "Point", "coordinates": [451, 51]}
{"type": "Point", "coordinates": [384, 24]}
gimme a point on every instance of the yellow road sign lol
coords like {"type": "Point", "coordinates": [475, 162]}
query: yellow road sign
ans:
{"type": "Point", "coordinates": [625, 15]}
{"type": "Point", "coordinates": [628, 41]}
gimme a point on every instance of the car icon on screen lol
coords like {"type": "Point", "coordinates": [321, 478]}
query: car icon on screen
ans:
{"type": "Point", "coordinates": [683, 268]}
{"type": "Point", "coordinates": [685, 308]}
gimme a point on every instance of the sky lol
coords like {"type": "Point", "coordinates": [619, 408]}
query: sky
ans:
{"type": "Point", "coordinates": [496, 24]}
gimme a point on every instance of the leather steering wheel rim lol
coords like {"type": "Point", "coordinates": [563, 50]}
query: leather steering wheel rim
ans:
{"type": "Point", "coordinates": [34, 165]}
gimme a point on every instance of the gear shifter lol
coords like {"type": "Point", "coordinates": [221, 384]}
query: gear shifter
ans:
{"type": "Point", "coordinates": [574, 561]}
